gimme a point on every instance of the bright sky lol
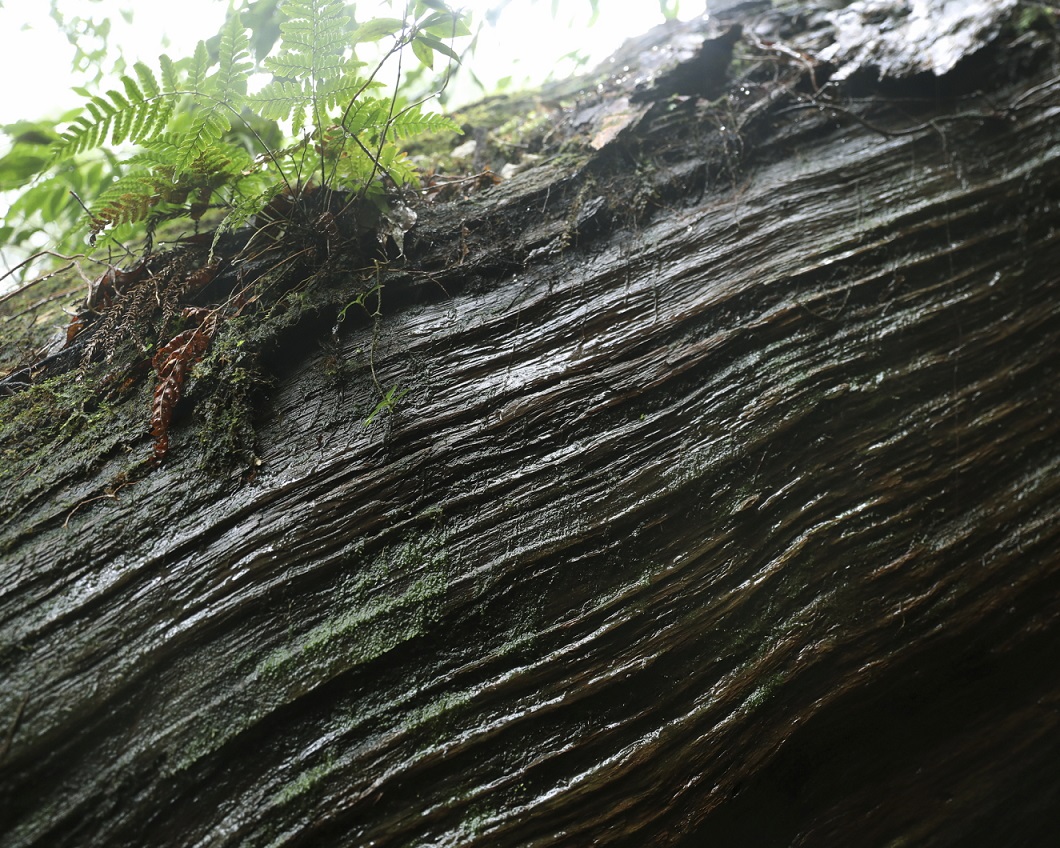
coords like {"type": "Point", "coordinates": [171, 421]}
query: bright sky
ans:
{"type": "Point", "coordinates": [527, 43]}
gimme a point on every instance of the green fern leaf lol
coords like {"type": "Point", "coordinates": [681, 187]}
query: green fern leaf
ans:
{"type": "Point", "coordinates": [279, 99]}
{"type": "Point", "coordinates": [396, 164]}
{"type": "Point", "coordinates": [235, 63]}
{"type": "Point", "coordinates": [170, 79]}
{"type": "Point", "coordinates": [160, 153]}
{"type": "Point", "coordinates": [218, 97]}
{"type": "Point", "coordinates": [121, 117]}
{"type": "Point", "coordinates": [148, 83]}
{"type": "Point", "coordinates": [354, 169]}
{"type": "Point", "coordinates": [366, 114]}
{"type": "Point", "coordinates": [242, 209]}
{"type": "Point", "coordinates": [185, 158]}
{"type": "Point", "coordinates": [128, 199]}
{"type": "Point", "coordinates": [153, 181]}
{"type": "Point", "coordinates": [200, 67]}
{"type": "Point", "coordinates": [314, 39]}
{"type": "Point", "coordinates": [412, 121]}
{"type": "Point", "coordinates": [135, 114]}
{"type": "Point", "coordinates": [210, 125]}
{"type": "Point", "coordinates": [339, 91]}
{"type": "Point", "coordinates": [98, 108]}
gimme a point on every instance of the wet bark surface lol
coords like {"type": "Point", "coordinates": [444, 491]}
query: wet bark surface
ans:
{"type": "Point", "coordinates": [721, 509]}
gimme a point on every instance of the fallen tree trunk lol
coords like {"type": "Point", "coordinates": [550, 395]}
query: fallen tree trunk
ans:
{"type": "Point", "coordinates": [721, 506]}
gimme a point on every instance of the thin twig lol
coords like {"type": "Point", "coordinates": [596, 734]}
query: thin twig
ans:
{"type": "Point", "coordinates": [72, 259]}
{"type": "Point", "coordinates": [35, 306]}
{"type": "Point", "coordinates": [108, 495]}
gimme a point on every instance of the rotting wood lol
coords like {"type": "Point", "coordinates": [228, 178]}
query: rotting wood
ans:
{"type": "Point", "coordinates": [721, 511]}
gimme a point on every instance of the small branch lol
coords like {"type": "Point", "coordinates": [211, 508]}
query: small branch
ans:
{"type": "Point", "coordinates": [71, 259]}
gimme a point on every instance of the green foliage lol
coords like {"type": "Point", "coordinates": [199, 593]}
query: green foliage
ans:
{"type": "Point", "coordinates": [375, 129]}
{"type": "Point", "coordinates": [670, 9]}
{"type": "Point", "coordinates": [90, 37]}
{"type": "Point", "coordinates": [201, 138]}
{"type": "Point", "coordinates": [1037, 16]}
{"type": "Point", "coordinates": [387, 404]}
{"type": "Point", "coordinates": [217, 96]}
{"type": "Point", "coordinates": [155, 181]}
{"type": "Point", "coordinates": [43, 208]}
{"type": "Point", "coordinates": [135, 115]}
{"type": "Point", "coordinates": [312, 74]}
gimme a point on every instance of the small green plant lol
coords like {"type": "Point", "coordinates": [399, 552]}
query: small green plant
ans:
{"type": "Point", "coordinates": [1037, 16]}
{"type": "Point", "coordinates": [388, 403]}
{"type": "Point", "coordinates": [311, 160]}
{"type": "Point", "coordinates": [194, 119]}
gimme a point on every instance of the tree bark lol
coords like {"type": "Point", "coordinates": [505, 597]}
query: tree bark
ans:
{"type": "Point", "coordinates": [720, 509]}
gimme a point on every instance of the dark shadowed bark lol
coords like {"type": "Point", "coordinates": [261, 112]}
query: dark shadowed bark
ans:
{"type": "Point", "coordinates": [721, 507]}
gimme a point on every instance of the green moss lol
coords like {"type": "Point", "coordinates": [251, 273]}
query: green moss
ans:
{"type": "Point", "coordinates": [304, 782]}
{"type": "Point", "coordinates": [371, 618]}
{"type": "Point", "coordinates": [1035, 16]}
{"type": "Point", "coordinates": [226, 386]}
{"type": "Point", "coordinates": [37, 415]}
{"type": "Point", "coordinates": [34, 422]}
{"type": "Point", "coordinates": [370, 627]}
{"type": "Point", "coordinates": [764, 692]}
{"type": "Point", "coordinates": [508, 125]}
{"type": "Point", "coordinates": [32, 317]}
{"type": "Point", "coordinates": [523, 132]}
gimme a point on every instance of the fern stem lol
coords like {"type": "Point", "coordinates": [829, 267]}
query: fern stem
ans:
{"type": "Point", "coordinates": [397, 47]}
{"type": "Point", "coordinates": [389, 121]}
{"type": "Point", "coordinates": [268, 150]}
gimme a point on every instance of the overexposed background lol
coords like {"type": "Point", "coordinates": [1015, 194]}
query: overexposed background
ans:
{"type": "Point", "coordinates": [521, 44]}
{"type": "Point", "coordinates": [527, 44]}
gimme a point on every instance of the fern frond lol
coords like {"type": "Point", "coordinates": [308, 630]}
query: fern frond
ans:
{"type": "Point", "coordinates": [367, 116]}
{"type": "Point", "coordinates": [339, 91]}
{"type": "Point", "coordinates": [185, 161]}
{"type": "Point", "coordinates": [172, 362]}
{"type": "Point", "coordinates": [131, 198]}
{"type": "Point", "coordinates": [287, 99]}
{"type": "Point", "coordinates": [218, 96]}
{"type": "Point", "coordinates": [311, 72]}
{"type": "Point", "coordinates": [313, 39]}
{"type": "Point", "coordinates": [148, 83]}
{"type": "Point", "coordinates": [234, 63]}
{"type": "Point", "coordinates": [357, 168]}
{"type": "Point", "coordinates": [413, 121]}
{"type": "Point", "coordinates": [353, 169]}
{"type": "Point", "coordinates": [170, 80]}
{"type": "Point", "coordinates": [279, 99]}
{"type": "Point", "coordinates": [228, 160]}
{"type": "Point", "coordinates": [242, 209]}
{"type": "Point", "coordinates": [396, 164]}
{"type": "Point", "coordinates": [200, 67]}
{"type": "Point", "coordinates": [373, 152]}
{"type": "Point", "coordinates": [138, 113]}
{"type": "Point", "coordinates": [154, 181]}
{"type": "Point", "coordinates": [370, 115]}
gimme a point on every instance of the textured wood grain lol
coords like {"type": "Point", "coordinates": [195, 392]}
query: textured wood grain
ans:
{"type": "Point", "coordinates": [730, 522]}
